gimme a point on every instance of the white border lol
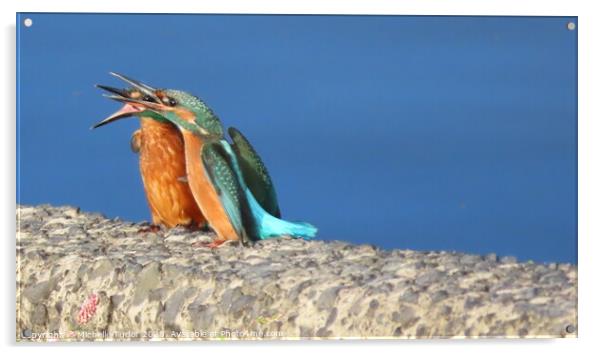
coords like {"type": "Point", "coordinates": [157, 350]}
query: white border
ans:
{"type": "Point", "coordinates": [420, 7]}
{"type": "Point", "coordinates": [590, 176]}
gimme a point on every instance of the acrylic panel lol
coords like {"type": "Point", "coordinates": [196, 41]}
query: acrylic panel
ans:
{"type": "Point", "coordinates": [394, 176]}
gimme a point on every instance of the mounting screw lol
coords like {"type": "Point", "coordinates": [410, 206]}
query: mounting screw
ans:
{"type": "Point", "coordinates": [28, 22]}
{"type": "Point", "coordinates": [571, 26]}
{"type": "Point", "coordinates": [570, 328]}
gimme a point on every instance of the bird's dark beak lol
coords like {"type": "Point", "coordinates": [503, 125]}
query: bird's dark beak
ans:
{"type": "Point", "coordinates": [124, 112]}
{"type": "Point", "coordinates": [152, 102]}
{"type": "Point", "coordinates": [140, 105]}
{"type": "Point", "coordinates": [112, 90]}
{"type": "Point", "coordinates": [142, 87]}
{"type": "Point", "coordinates": [131, 105]}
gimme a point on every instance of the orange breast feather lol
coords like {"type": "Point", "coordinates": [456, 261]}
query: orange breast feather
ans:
{"type": "Point", "coordinates": [163, 170]}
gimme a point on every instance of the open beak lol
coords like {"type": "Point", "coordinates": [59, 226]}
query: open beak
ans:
{"type": "Point", "coordinates": [124, 112]}
{"type": "Point", "coordinates": [131, 105]}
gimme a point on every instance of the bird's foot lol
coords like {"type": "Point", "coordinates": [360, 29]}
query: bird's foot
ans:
{"type": "Point", "coordinates": [212, 245]}
{"type": "Point", "coordinates": [153, 228]}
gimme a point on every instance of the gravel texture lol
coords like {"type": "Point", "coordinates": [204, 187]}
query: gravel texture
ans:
{"type": "Point", "coordinates": [126, 284]}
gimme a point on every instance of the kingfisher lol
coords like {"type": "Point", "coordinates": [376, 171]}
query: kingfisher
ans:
{"type": "Point", "coordinates": [162, 166]}
{"type": "Point", "coordinates": [228, 181]}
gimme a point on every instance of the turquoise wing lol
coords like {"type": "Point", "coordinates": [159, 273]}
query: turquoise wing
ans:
{"type": "Point", "coordinates": [255, 173]}
{"type": "Point", "coordinates": [258, 223]}
{"type": "Point", "coordinates": [218, 167]}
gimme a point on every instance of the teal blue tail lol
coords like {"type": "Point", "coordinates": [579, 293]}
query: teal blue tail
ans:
{"type": "Point", "coordinates": [267, 226]}
{"type": "Point", "coordinates": [260, 224]}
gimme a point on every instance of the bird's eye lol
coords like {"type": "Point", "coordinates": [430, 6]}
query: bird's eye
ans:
{"type": "Point", "coordinates": [169, 101]}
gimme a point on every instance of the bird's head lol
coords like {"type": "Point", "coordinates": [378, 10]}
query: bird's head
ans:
{"type": "Point", "coordinates": [184, 110]}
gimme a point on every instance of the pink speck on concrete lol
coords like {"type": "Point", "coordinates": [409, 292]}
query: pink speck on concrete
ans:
{"type": "Point", "coordinates": [88, 309]}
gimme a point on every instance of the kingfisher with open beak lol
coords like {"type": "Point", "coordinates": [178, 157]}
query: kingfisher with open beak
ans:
{"type": "Point", "coordinates": [228, 181]}
{"type": "Point", "coordinates": [161, 158]}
